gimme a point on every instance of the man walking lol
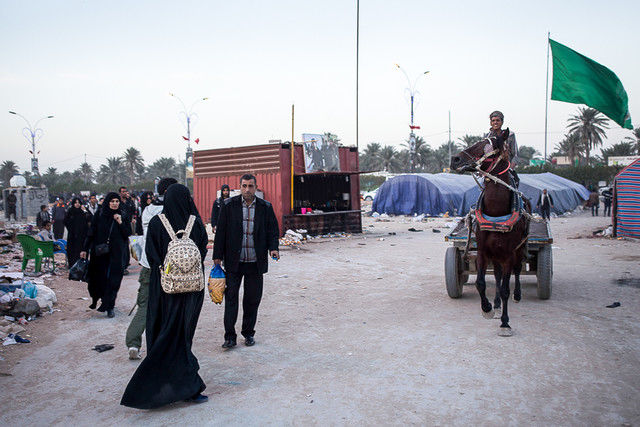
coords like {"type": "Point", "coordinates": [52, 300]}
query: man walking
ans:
{"type": "Point", "coordinates": [545, 203]}
{"type": "Point", "coordinates": [594, 202]}
{"type": "Point", "coordinates": [608, 197]}
{"type": "Point", "coordinates": [139, 322]}
{"type": "Point", "coordinates": [92, 206]}
{"type": "Point", "coordinates": [246, 230]}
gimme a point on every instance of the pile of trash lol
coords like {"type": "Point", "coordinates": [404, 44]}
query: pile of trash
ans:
{"type": "Point", "coordinates": [293, 238]}
{"type": "Point", "coordinates": [21, 301]}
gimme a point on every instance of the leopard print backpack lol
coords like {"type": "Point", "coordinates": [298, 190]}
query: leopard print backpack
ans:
{"type": "Point", "coordinates": [182, 268]}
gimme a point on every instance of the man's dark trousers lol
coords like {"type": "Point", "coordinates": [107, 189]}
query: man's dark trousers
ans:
{"type": "Point", "coordinates": [545, 211]}
{"type": "Point", "coordinates": [250, 300]}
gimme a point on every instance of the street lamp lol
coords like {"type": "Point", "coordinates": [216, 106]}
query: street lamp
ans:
{"type": "Point", "coordinates": [190, 118]}
{"type": "Point", "coordinates": [412, 93]}
{"type": "Point", "coordinates": [33, 134]}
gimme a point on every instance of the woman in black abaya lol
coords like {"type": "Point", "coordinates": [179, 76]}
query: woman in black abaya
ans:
{"type": "Point", "coordinates": [169, 373]}
{"type": "Point", "coordinates": [105, 271]}
{"type": "Point", "coordinates": [77, 223]}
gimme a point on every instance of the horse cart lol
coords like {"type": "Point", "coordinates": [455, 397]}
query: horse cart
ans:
{"type": "Point", "coordinates": [458, 269]}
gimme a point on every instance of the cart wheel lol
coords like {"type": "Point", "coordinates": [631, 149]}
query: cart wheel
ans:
{"type": "Point", "coordinates": [452, 273]}
{"type": "Point", "coordinates": [544, 272]}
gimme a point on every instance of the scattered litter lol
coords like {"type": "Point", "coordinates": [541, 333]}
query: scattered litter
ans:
{"type": "Point", "coordinates": [102, 347]}
{"type": "Point", "coordinates": [392, 233]}
{"type": "Point", "coordinates": [614, 305]}
{"type": "Point", "coordinates": [381, 239]}
{"type": "Point", "coordinates": [415, 230]}
{"type": "Point", "coordinates": [435, 230]}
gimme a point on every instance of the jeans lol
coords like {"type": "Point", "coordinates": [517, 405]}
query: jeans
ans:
{"type": "Point", "coordinates": [139, 321]}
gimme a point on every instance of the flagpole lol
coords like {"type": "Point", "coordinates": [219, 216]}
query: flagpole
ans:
{"type": "Point", "coordinates": [546, 101]}
{"type": "Point", "coordinates": [357, 66]}
{"type": "Point", "coordinates": [293, 147]}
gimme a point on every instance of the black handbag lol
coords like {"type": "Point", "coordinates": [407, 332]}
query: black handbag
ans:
{"type": "Point", "coordinates": [79, 270]}
{"type": "Point", "coordinates": [103, 248]}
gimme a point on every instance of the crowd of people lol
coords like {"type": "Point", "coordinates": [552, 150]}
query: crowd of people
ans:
{"type": "Point", "coordinates": [97, 233]}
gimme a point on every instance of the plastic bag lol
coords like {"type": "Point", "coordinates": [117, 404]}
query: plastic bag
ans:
{"type": "Point", "coordinates": [135, 246]}
{"type": "Point", "coordinates": [79, 270]}
{"type": "Point", "coordinates": [217, 284]}
{"type": "Point", "coordinates": [30, 290]}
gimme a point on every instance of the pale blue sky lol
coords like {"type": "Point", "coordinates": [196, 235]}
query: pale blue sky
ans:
{"type": "Point", "coordinates": [105, 69]}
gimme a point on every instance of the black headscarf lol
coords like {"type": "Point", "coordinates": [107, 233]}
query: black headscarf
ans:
{"type": "Point", "coordinates": [143, 199]}
{"type": "Point", "coordinates": [178, 205]}
{"type": "Point", "coordinates": [73, 211]}
{"type": "Point", "coordinates": [106, 210]}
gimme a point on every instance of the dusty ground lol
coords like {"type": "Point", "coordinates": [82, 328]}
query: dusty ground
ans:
{"type": "Point", "coordinates": [361, 331]}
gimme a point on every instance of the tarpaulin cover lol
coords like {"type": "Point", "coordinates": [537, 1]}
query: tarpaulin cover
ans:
{"type": "Point", "coordinates": [627, 201]}
{"type": "Point", "coordinates": [435, 194]}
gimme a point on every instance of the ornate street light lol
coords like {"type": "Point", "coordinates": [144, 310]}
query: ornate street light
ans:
{"type": "Point", "coordinates": [190, 118]}
{"type": "Point", "coordinates": [411, 89]}
{"type": "Point", "coordinates": [33, 134]}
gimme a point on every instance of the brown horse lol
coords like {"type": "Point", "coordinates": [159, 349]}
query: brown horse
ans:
{"type": "Point", "coordinates": [501, 243]}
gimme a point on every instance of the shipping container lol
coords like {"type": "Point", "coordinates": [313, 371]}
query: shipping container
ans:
{"type": "Point", "coordinates": [271, 165]}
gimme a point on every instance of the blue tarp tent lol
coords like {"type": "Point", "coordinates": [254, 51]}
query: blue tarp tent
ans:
{"type": "Point", "coordinates": [435, 194]}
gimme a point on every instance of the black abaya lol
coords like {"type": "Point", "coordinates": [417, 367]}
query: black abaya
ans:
{"type": "Point", "coordinates": [169, 373]}
{"type": "Point", "coordinates": [77, 224]}
{"type": "Point", "coordinates": [106, 271]}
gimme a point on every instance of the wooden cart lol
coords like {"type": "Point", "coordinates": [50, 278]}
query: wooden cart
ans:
{"type": "Point", "coordinates": [540, 264]}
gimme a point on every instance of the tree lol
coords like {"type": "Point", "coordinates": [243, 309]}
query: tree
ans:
{"type": "Point", "coordinates": [590, 125]}
{"type": "Point", "coordinates": [635, 140]}
{"type": "Point", "coordinates": [7, 170]}
{"type": "Point", "coordinates": [416, 158]}
{"type": "Point", "coordinates": [571, 146]}
{"type": "Point", "coordinates": [388, 160]}
{"type": "Point", "coordinates": [113, 172]}
{"type": "Point", "coordinates": [440, 158]}
{"type": "Point", "coordinates": [469, 140]}
{"type": "Point", "coordinates": [133, 163]}
{"type": "Point", "coordinates": [85, 173]}
{"type": "Point", "coordinates": [526, 153]}
{"type": "Point", "coordinates": [50, 177]}
{"type": "Point", "coordinates": [624, 148]}
{"type": "Point", "coordinates": [370, 157]}
{"type": "Point", "coordinates": [163, 167]}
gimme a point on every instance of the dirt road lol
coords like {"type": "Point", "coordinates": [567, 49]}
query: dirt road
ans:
{"type": "Point", "coordinates": [361, 331]}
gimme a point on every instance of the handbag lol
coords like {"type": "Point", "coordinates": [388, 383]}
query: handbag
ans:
{"type": "Point", "coordinates": [79, 270]}
{"type": "Point", "coordinates": [103, 248]}
{"type": "Point", "coordinates": [217, 284]}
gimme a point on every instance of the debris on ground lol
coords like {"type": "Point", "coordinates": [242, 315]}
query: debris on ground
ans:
{"type": "Point", "coordinates": [103, 347]}
{"type": "Point", "coordinates": [614, 305]}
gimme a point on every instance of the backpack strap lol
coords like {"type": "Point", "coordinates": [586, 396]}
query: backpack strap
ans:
{"type": "Point", "coordinates": [190, 222]}
{"type": "Point", "coordinates": [167, 226]}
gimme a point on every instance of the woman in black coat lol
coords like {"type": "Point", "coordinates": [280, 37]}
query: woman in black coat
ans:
{"type": "Point", "coordinates": [169, 373]}
{"type": "Point", "coordinates": [77, 222]}
{"type": "Point", "coordinates": [105, 271]}
{"type": "Point", "coordinates": [145, 200]}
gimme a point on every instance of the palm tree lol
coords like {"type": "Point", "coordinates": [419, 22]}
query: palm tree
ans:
{"type": "Point", "coordinates": [635, 140]}
{"type": "Point", "coordinates": [440, 156]}
{"type": "Point", "coordinates": [50, 177]}
{"type": "Point", "coordinates": [133, 162]}
{"type": "Point", "coordinates": [414, 157]}
{"type": "Point", "coordinates": [163, 167]}
{"type": "Point", "coordinates": [526, 153]}
{"type": "Point", "coordinates": [590, 124]}
{"type": "Point", "coordinates": [624, 148]}
{"type": "Point", "coordinates": [571, 146]}
{"type": "Point", "coordinates": [388, 159]}
{"type": "Point", "coordinates": [113, 172]}
{"type": "Point", "coordinates": [469, 140]}
{"type": "Point", "coordinates": [85, 172]}
{"type": "Point", "coordinates": [369, 159]}
{"type": "Point", "coordinates": [7, 170]}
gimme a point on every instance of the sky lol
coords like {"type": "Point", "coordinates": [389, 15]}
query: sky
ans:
{"type": "Point", "coordinates": [105, 71]}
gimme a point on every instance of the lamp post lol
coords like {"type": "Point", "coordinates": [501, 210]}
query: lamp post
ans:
{"type": "Point", "coordinates": [189, 117]}
{"type": "Point", "coordinates": [411, 88]}
{"type": "Point", "coordinates": [33, 134]}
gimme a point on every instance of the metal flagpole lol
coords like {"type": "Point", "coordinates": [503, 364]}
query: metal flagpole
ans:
{"type": "Point", "coordinates": [357, 63]}
{"type": "Point", "coordinates": [449, 137]}
{"type": "Point", "coordinates": [546, 101]}
{"type": "Point", "coordinates": [293, 147]}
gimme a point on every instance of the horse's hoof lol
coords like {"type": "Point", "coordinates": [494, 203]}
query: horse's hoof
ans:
{"type": "Point", "coordinates": [488, 314]}
{"type": "Point", "coordinates": [505, 332]}
{"type": "Point", "coordinates": [498, 313]}
{"type": "Point", "coordinates": [516, 300]}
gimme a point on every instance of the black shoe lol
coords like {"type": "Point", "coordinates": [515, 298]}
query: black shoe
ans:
{"type": "Point", "coordinates": [93, 305]}
{"type": "Point", "coordinates": [249, 341]}
{"type": "Point", "coordinates": [110, 313]}
{"type": "Point", "coordinates": [229, 343]}
{"type": "Point", "coordinates": [198, 398]}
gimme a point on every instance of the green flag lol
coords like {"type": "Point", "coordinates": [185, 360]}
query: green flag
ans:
{"type": "Point", "coordinates": [580, 80]}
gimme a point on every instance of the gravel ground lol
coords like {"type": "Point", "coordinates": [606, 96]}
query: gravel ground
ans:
{"type": "Point", "coordinates": [361, 331]}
